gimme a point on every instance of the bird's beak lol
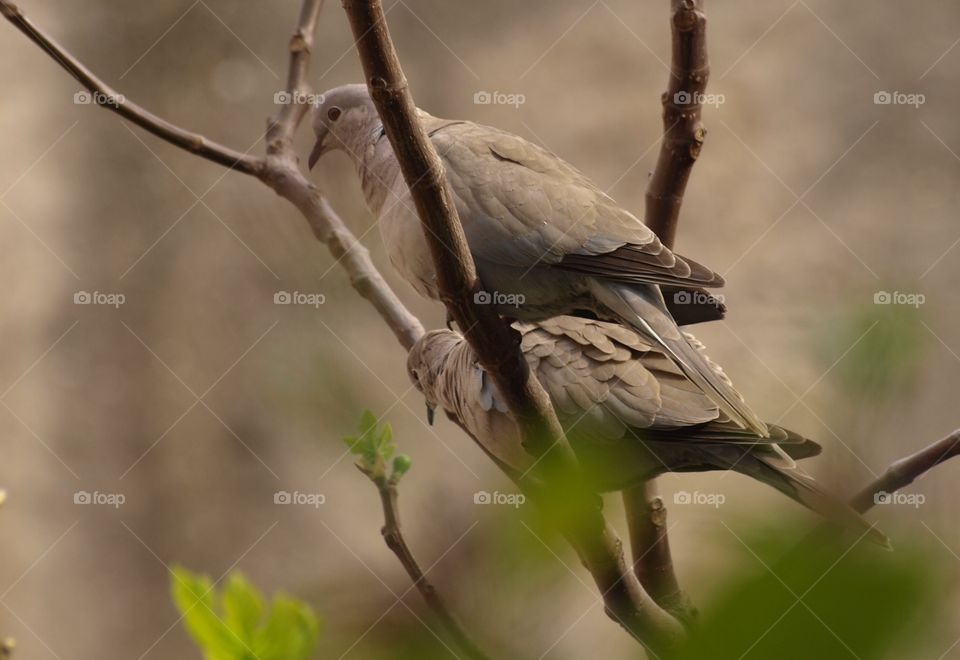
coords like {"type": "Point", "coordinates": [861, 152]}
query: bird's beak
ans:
{"type": "Point", "coordinates": [430, 411]}
{"type": "Point", "coordinates": [319, 148]}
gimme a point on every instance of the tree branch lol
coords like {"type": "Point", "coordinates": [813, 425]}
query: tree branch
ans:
{"type": "Point", "coordinates": [905, 471]}
{"type": "Point", "coordinates": [107, 97]}
{"type": "Point", "coordinates": [495, 346]}
{"type": "Point", "coordinates": [647, 521]}
{"type": "Point", "coordinates": [283, 125]}
{"type": "Point", "coordinates": [682, 138]}
{"type": "Point", "coordinates": [683, 129]}
{"type": "Point", "coordinates": [398, 545]}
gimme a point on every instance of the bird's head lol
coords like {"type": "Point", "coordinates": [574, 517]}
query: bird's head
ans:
{"type": "Point", "coordinates": [426, 364]}
{"type": "Point", "coordinates": [341, 115]}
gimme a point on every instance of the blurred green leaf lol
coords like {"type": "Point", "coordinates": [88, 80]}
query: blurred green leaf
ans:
{"type": "Point", "coordinates": [229, 625]}
{"type": "Point", "coordinates": [242, 605]}
{"type": "Point", "coordinates": [886, 357]}
{"type": "Point", "coordinates": [824, 602]}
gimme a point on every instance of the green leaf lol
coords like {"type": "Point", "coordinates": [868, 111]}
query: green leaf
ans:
{"type": "Point", "coordinates": [290, 633]}
{"type": "Point", "coordinates": [374, 446]}
{"type": "Point", "coordinates": [242, 606]}
{"type": "Point", "coordinates": [230, 625]}
{"type": "Point", "coordinates": [197, 602]}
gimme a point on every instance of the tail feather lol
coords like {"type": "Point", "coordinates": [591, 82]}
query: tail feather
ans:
{"type": "Point", "coordinates": [643, 309]}
{"type": "Point", "coordinates": [803, 489]}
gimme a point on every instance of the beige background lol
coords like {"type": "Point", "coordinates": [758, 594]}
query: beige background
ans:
{"type": "Point", "coordinates": [102, 399]}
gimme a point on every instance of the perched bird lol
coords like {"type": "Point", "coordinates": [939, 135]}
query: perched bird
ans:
{"type": "Point", "coordinates": [546, 241]}
{"type": "Point", "coordinates": [628, 411]}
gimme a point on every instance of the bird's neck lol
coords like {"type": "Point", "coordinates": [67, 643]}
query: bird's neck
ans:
{"type": "Point", "coordinates": [376, 166]}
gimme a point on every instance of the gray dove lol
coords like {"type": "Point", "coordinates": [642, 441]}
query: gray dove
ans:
{"type": "Point", "coordinates": [546, 241]}
{"type": "Point", "coordinates": [629, 412]}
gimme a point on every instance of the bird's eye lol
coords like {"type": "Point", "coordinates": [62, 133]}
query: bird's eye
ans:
{"type": "Point", "coordinates": [334, 113]}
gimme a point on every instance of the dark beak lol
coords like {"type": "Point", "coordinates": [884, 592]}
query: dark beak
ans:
{"type": "Point", "coordinates": [318, 150]}
{"type": "Point", "coordinates": [430, 410]}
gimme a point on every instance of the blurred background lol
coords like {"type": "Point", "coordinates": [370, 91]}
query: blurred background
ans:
{"type": "Point", "coordinates": [197, 399]}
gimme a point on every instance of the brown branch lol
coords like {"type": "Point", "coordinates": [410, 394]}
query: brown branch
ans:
{"type": "Point", "coordinates": [281, 127]}
{"type": "Point", "coordinates": [906, 470]}
{"type": "Point", "coordinates": [647, 521]}
{"type": "Point", "coordinates": [393, 537]}
{"type": "Point", "coordinates": [683, 129]}
{"type": "Point", "coordinates": [682, 138]}
{"type": "Point", "coordinates": [107, 97]}
{"type": "Point", "coordinates": [899, 474]}
{"type": "Point", "coordinates": [496, 347]}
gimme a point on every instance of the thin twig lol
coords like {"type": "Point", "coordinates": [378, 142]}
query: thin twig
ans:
{"type": "Point", "coordinates": [107, 97]}
{"type": "Point", "coordinates": [682, 138]}
{"type": "Point", "coordinates": [282, 126]}
{"type": "Point", "coordinates": [683, 129]}
{"type": "Point", "coordinates": [906, 470]}
{"type": "Point", "coordinates": [496, 347]}
{"type": "Point", "coordinates": [901, 473]}
{"type": "Point", "coordinates": [393, 537]}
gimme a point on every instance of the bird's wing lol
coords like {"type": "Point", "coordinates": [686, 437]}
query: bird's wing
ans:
{"type": "Point", "coordinates": [611, 381]}
{"type": "Point", "coordinates": [520, 205]}
{"type": "Point", "coordinates": [605, 380]}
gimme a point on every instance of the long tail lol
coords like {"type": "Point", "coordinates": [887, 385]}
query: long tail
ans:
{"type": "Point", "coordinates": [642, 308]}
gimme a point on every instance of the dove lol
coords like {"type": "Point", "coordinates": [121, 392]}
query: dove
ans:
{"type": "Point", "coordinates": [629, 413]}
{"type": "Point", "coordinates": [546, 241]}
